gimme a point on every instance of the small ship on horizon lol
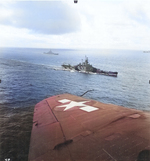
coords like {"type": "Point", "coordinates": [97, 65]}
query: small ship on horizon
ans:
{"type": "Point", "coordinates": [51, 53]}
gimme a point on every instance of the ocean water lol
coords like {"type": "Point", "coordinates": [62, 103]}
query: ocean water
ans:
{"type": "Point", "coordinates": [29, 76]}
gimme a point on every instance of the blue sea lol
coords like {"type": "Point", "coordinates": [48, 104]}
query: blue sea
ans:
{"type": "Point", "coordinates": [29, 76]}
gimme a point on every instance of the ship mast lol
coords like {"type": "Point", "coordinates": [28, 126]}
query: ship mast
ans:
{"type": "Point", "coordinates": [86, 60]}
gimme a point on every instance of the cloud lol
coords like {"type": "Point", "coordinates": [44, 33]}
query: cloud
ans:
{"type": "Point", "coordinates": [51, 17]}
{"type": "Point", "coordinates": [138, 12]}
{"type": "Point", "coordinates": [117, 24]}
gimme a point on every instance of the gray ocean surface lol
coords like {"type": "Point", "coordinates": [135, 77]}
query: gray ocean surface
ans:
{"type": "Point", "coordinates": [29, 76]}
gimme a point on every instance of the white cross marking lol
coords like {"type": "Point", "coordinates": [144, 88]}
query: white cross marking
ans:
{"type": "Point", "coordinates": [72, 104]}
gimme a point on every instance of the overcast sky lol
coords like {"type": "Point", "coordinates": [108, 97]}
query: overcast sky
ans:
{"type": "Point", "coordinates": [106, 24]}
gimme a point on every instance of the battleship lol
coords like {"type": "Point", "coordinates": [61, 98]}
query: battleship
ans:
{"type": "Point", "coordinates": [85, 67]}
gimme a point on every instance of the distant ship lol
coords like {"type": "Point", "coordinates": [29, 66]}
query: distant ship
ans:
{"type": "Point", "coordinates": [51, 53]}
{"type": "Point", "coordinates": [85, 67]}
{"type": "Point", "coordinates": [148, 51]}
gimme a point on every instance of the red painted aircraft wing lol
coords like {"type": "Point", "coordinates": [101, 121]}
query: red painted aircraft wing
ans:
{"type": "Point", "coordinates": [67, 127]}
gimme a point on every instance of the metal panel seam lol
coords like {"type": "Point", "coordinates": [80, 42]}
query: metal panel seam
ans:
{"type": "Point", "coordinates": [57, 121]}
